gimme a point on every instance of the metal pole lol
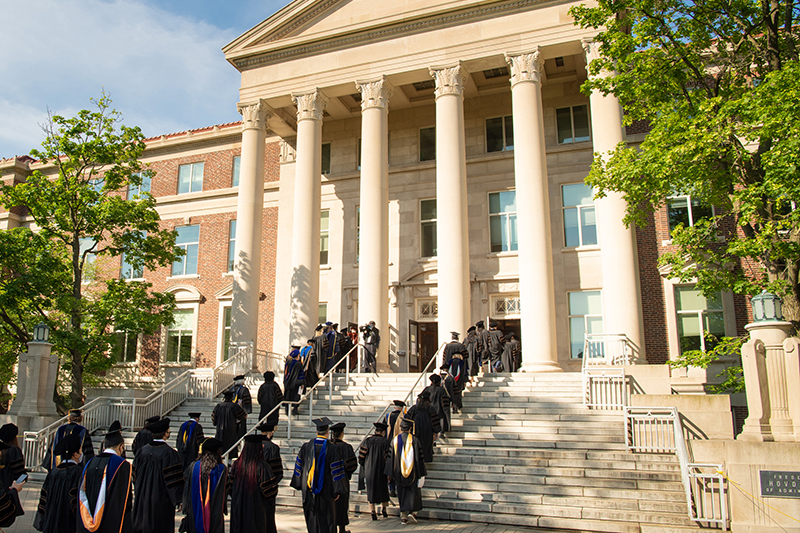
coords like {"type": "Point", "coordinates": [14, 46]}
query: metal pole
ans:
{"type": "Point", "coordinates": [289, 427]}
{"type": "Point", "coordinates": [311, 405]}
{"type": "Point", "coordinates": [330, 390]}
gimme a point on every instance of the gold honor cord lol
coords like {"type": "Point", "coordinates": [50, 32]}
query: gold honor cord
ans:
{"type": "Point", "coordinates": [310, 479]}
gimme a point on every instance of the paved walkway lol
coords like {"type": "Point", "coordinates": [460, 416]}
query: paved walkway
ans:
{"type": "Point", "coordinates": [290, 520]}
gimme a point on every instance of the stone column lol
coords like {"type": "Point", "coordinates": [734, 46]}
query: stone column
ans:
{"type": "Point", "coordinates": [250, 206]}
{"type": "Point", "coordinates": [622, 298]}
{"type": "Point", "coordinates": [373, 253]}
{"type": "Point", "coordinates": [452, 230]}
{"type": "Point", "coordinates": [305, 227]}
{"type": "Point", "coordinates": [33, 408]}
{"type": "Point", "coordinates": [764, 362]}
{"type": "Point", "coordinates": [536, 284]}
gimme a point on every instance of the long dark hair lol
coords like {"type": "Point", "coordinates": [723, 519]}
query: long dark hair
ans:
{"type": "Point", "coordinates": [208, 460]}
{"type": "Point", "coordinates": [248, 466]}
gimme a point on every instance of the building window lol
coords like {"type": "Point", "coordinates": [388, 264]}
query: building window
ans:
{"type": "Point", "coordinates": [358, 155]}
{"type": "Point", "coordinates": [427, 310]}
{"type": "Point", "coordinates": [231, 245]}
{"type": "Point", "coordinates": [237, 167]}
{"type": "Point", "coordinates": [499, 134]}
{"type": "Point", "coordinates": [226, 332]}
{"type": "Point", "coordinates": [585, 316]}
{"type": "Point", "coordinates": [580, 222]}
{"type": "Point", "coordinates": [135, 191]}
{"type": "Point", "coordinates": [324, 236]}
{"type": "Point", "coordinates": [323, 313]}
{"type": "Point", "coordinates": [503, 221]}
{"type": "Point", "coordinates": [506, 306]}
{"type": "Point", "coordinates": [686, 210]}
{"type": "Point", "coordinates": [179, 337]}
{"type": "Point", "coordinates": [427, 219]}
{"type": "Point", "coordinates": [573, 124]}
{"type": "Point", "coordinates": [188, 239]}
{"type": "Point", "coordinates": [427, 144]}
{"type": "Point", "coordinates": [125, 349]}
{"type": "Point", "coordinates": [696, 316]}
{"type": "Point", "coordinates": [326, 158]}
{"type": "Point", "coordinates": [128, 271]}
{"type": "Point", "coordinates": [190, 178]}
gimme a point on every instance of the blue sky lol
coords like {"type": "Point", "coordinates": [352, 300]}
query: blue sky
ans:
{"type": "Point", "coordinates": [161, 62]}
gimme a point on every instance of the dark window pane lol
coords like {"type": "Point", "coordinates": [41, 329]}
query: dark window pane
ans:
{"type": "Point", "coordinates": [494, 134]}
{"type": "Point", "coordinates": [496, 232]}
{"type": "Point", "coordinates": [326, 158]}
{"type": "Point", "coordinates": [580, 117]}
{"type": "Point", "coordinates": [677, 212]}
{"type": "Point", "coordinates": [427, 144]}
{"type": "Point", "coordinates": [428, 210]}
{"type": "Point", "coordinates": [571, 232]}
{"type": "Point", "coordinates": [564, 125]}
{"type": "Point", "coordinates": [428, 239]}
{"type": "Point", "coordinates": [186, 348]}
{"type": "Point", "coordinates": [509, 123]}
{"type": "Point", "coordinates": [700, 211]}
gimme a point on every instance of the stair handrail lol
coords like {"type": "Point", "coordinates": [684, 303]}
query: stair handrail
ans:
{"type": "Point", "coordinates": [695, 500]}
{"type": "Point", "coordinates": [241, 360]}
{"type": "Point", "coordinates": [408, 395]}
{"type": "Point", "coordinates": [328, 375]}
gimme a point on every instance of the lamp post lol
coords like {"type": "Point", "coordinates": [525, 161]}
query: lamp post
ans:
{"type": "Point", "coordinates": [767, 307]}
{"type": "Point", "coordinates": [41, 333]}
{"type": "Point", "coordinates": [33, 407]}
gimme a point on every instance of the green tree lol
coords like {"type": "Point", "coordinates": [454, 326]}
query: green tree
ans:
{"type": "Point", "coordinates": [77, 200]}
{"type": "Point", "coordinates": [719, 83]}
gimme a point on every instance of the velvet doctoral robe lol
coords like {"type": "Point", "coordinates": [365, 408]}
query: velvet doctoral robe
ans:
{"type": "Point", "coordinates": [142, 439]}
{"type": "Point", "coordinates": [253, 508]}
{"type": "Point", "coordinates": [51, 460]}
{"type": "Point", "coordinates": [294, 377]}
{"type": "Point", "coordinates": [405, 466]}
{"type": "Point", "coordinates": [187, 443]}
{"type": "Point", "coordinates": [204, 500]}
{"type": "Point", "coordinates": [319, 474]}
{"type": "Point", "coordinates": [372, 458]}
{"type": "Point", "coordinates": [158, 486]}
{"type": "Point", "coordinates": [426, 424]}
{"type": "Point", "coordinates": [104, 496]}
{"type": "Point", "coordinates": [346, 453]}
{"type": "Point", "coordinates": [269, 396]}
{"type": "Point", "coordinates": [229, 418]}
{"type": "Point", "coordinates": [58, 499]}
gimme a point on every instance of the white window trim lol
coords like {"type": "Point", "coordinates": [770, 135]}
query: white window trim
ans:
{"type": "Point", "coordinates": [190, 276]}
{"type": "Point", "coordinates": [486, 135]}
{"type": "Point", "coordinates": [418, 302]}
{"type": "Point", "coordinates": [570, 316]}
{"type": "Point", "coordinates": [328, 232]}
{"type": "Point", "coordinates": [489, 223]}
{"type": "Point", "coordinates": [135, 363]}
{"type": "Point", "coordinates": [233, 170]}
{"type": "Point", "coordinates": [580, 247]}
{"type": "Point", "coordinates": [502, 296]}
{"type": "Point", "coordinates": [187, 297]}
{"type": "Point", "coordinates": [226, 303]}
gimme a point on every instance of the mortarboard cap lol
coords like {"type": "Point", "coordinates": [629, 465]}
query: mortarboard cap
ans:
{"type": "Point", "coordinates": [8, 432]}
{"type": "Point", "coordinates": [406, 424]}
{"type": "Point", "coordinates": [328, 323]}
{"type": "Point", "coordinates": [228, 395]}
{"type": "Point", "coordinates": [399, 403]}
{"type": "Point", "coordinates": [112, 439]}
{"type": "Point", "coordinates": [455, 334]}
{"type": "Point", "coordinates": [296, 347]}
{"type": "Point", "coordinates": [266, 427]}
{"type": "Point", "coordinates": [492, 324]}
{"type": "Point", "coordinates": [254, 438]}
{"type": "Point", "coordinates": [75, 412]}
{"type": "Point", "coordinates": [339, 426]}
{"type": "Point", "coordinates": [68, 445]}
{"type": "Point", "coordinates": [151, 420]}
{"type": "Point", "coordinates": [380, 426]}
{"type": "Point", "coordinates": [159, 427]}
{"type": "Point", "coordinates": [238, 378]}
{"type": "Point", "coordinates": [269, 376]}
{"type": "Point", "coordinates": [436, 378]}
{"type": "Point", "coordinates": [114, 427]}
{"type": "Point", "coordinates": [444, 367]}
{"type": "Point", "coordinates": [322, 423]}
{"type": "Point", "coordinates": [471, 328]}
{"type": "Point", "coordinates": [210, 445]}
{"type": "Point", "coordinates": [425, 395]}
{"type": "Point", "coordinates": [194, 415]}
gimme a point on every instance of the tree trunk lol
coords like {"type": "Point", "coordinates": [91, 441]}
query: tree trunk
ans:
{"type": "Point", "coordinates": [76, 318]}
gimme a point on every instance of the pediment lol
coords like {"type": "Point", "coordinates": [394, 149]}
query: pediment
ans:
{"type": "Point", "coordinates": [185, 293]}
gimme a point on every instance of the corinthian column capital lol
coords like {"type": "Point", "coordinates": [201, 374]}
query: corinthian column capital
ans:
{"type": "Point", "coordinates": [375, 93]}
{"type": "Point", "coordinates": [526, 66]}
{"type": "Point", "coordinates": [449, 80]}
{"type": "Point", "coordinates": [591, 50]}
{"type": "Point", "coordinates": [255, 116]}
{"type": "Point", "coordinates": [310, 105]}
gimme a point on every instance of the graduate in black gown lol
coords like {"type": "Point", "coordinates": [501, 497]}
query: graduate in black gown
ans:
{"type": "Point", "coordinates": [483, 345]}
{"type": "Point", "coordinates": [345, 453]}
{"type": "Point", "coordinates": [108, 510]}
{"type": "Point", "coordinates": [73, 425]}
{"type": "Point", "coordinates": [253, 490]}
{"type": "Point", "coordinates": [272, 455]}
{"type": "Point", "coordinates": [406, 467]}
{"type": "Point", "coordinates": [294, 376]}
{"type": "Point", "coordinates": [158, 483]}
{"type": "Point", "coordinates": [372, 458]}
{"type": "Point", "coordinates": [440, 400]}
{"type": "Point", "coordinates": [426, 424]}
{"type": "Point", "coordinates": [269, 396]}
{"type": "Point", "coordinates": [473, 357]}
{"type": "Point", "coordinates": [229, 418]}
{"type": "Point", "coordinates": [241, 394]}
{"type": "Point", "coordinates": [10, 506]}
{"type": "Point", "coordinates": [144, 436]}
{"type": "Point", "coordinates": [204, 491]}
{"type": "Point", "coordinates": [58, 499]}
{"type": "Point", "coordinates": [190, 435]}
{"type": "Point", "coordinates": [496, 348]}
{"type": "Point", "coordinates": [320, 475]}
{"type": "Point", "coordinates": [319, 357]}
{"type": "Point", "coordinates": [393, 419]}
{"type": "Point", "coordinates": [12, 462]}
{"type": "Point", "coordinates": [115, 427]}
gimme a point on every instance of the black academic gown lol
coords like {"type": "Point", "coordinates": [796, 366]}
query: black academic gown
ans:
{"type": "Point", "coordinates": [440, 401]}
{"type": "Point", "coordinates": [320, 346]}
{"type": "Point", "coordinates": [372, 458]}
{"type": "Point", "coordinates": [507, 358]}
{"type": "Point", "coordinates": [346, 453]}
{"type": "Point", "coordinates": [51, 460]}
{"type": "Point", "coordinates": [294, 377]}
{"type": "Point", "coordinates": [195, 490]}
{"type": "Point", "coordinates": [229, 418]}
{"type": "Point", "coordinates": [158, 484]}
{"type": "Point", "coordinates": [58, 499]}
{"type": "Point", "coordinates": [391, 421]}
{"type": "Point", "coordinates": [241, 395]}
{"type": "Point", "coordinates": [409, 495]}
{"type": "Point", "coordinates": [495, 346]}
{"type": "Point", "coordinates": [483, 345]}
{"type": "Point", "coordinates": [329, 481]}
{"type": "Point", "coordinates": [253, 509]}
{"type": "Point", "coordinates": [116, 516]}
{"type": "Point", "coordinates": [426, 424]}
{"type": "Point", "coordinates": [187, 443]}
{"type": "Point", "coordinates": [10, 506]}
{"type": "Point", "coordinates": [272, 455]}
{"type": "Point", "coordinates": [473, 357]}
{"type": "Point", "coordinates": [269, 395]}
{"type": "Point", "coordinates": [142, 439]}
{"type": "Point", "coordinates": [12, 465]}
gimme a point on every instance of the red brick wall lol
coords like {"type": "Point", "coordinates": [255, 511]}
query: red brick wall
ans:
{"type": "Point", "coordinates": [653, 307]}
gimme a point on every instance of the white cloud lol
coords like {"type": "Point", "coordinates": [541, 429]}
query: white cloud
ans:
{"type": "Point", "coordinates": [164, 72]}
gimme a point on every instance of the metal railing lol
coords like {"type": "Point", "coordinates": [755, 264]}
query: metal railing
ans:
{"type": "Point", "coordinates": [608, 349]}
{"type": "Point", "coordinates": [659, 430]}
{"type": "Point", "coordinates": [605, 388]}
{"type": "Point", "coordinates": [329, 376]}
{"type": "Point", "coordinates": [132, 412]}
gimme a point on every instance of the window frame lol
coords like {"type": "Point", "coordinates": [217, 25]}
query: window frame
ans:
{"type": "Point", "coordinates": [579, 208]}
{"type": "Point", "coordinates": [573, 139]}
{"type": "Point", "coordinates": [123, 264]}
{"type": "Point", "coordinates": [431, 221]}
{"type": "Point", "coordinates": [689, 209]}
{"type": "Point", "coordinates": [504, 127]}
{"type": "Point", "coordinates": [571, 315]}
{"type": "Point", "coordinates": [326, 172]}
{"type": "Point", "coordinates": [184, 257]}
{"type": "Point", "coordinates": [700, 314]}
{"type": "Point", "coordinates": [232, 225]}
{"type": "Point", "coordinates": [130, 195]}
{"type": "Point", "coordinates": [194, 310]}
{"type": "Point", "coordinates": [324, 236]}
{"type": "Point", "coordinates": [419, 141]}
{"type": "Point", "coordinates": [136, 350]}
{"type": "Point", "coordinates": [192, 166]}
{"type": "Point", "coordinates": [502, 215]}
{"type": "Point", "coordinates": [236, 170]}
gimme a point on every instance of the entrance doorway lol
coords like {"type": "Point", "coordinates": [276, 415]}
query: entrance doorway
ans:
{"type": "Point", "coordinates": [422, 343]}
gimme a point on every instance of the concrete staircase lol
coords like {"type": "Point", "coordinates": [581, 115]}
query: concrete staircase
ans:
{"type": "Point", "coordinates": [524, 451]}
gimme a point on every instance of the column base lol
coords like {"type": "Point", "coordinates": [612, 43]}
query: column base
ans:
{"type": "Point", "coordinates": [541, 366]}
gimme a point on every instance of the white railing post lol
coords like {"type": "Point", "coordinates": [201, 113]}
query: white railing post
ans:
{"type": "Point", "coordinates": [330, 390]}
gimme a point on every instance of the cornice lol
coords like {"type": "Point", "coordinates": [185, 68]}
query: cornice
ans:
{"type": "Point", "coordinates": [183, 144]}
{"type": "Point", "coordinates": [257, 59]}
